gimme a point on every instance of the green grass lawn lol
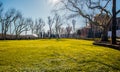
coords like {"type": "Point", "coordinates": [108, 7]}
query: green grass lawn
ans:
{"type": "Point", "coordinates": [64, 55]}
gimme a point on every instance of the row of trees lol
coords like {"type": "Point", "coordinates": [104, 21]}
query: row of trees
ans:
{"type": "Point", "coordinates": [97, 12]}
{"type": "Point", "coordinates": [59, 30]}
{"type": "Point", "coordinates": [12, 22]}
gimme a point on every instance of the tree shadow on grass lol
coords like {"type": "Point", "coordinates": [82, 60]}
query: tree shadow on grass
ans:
{"type": "Point", "coordinates": [99, 62]}
{"type": "Point", "coordinates": [107, 45]}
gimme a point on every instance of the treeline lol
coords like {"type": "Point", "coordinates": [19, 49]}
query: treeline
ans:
{"type": "Point", "coordinates": [13, 24]}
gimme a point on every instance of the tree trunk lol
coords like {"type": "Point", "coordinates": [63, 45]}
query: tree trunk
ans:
{"type": "Point", "coordinates": [105, 35]}
{"type": "Point", "coordinates": [5, 31]}
{"type": "Point", "coordinates": [16, 36]}
{"type": "Point", "coordinates": [25, 32]}
{"type": "Point", "coordinates": [114, 22]}
{"type": "Point", "coordinates": [10, 29]}
{"type": "Point", "coordinates": [2, 30]}
{"type": "Point", "coordinates": [50, 33]}
{"type": "Point", "coordinates": [4, 35]}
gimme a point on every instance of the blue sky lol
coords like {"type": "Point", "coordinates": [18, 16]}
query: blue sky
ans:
{"type": "Point", "coordinates": [30, 8]}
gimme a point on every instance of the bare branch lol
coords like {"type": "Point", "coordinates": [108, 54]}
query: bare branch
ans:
{"type": "Point", "coordinates": [117, 12]}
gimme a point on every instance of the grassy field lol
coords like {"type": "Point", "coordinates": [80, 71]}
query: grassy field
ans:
{"type": "Point", "coordinates": [64, 55]}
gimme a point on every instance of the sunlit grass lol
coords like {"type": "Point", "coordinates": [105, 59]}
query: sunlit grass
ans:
{"type": "Point", "coordinates": [51, 55]}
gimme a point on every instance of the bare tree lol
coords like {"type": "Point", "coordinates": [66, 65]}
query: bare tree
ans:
{"type": "Point", "coordinates": [20, 26]}
{"type": "Point", "coordinates": [84, 8]}
{"type": "Point", "coordinates": [28, 21]}
{"type": "Point", "coordinates": [32, 26]}
{"type": "Point", "coordinates": [68, 30]}
{"type": "Point", "coordinates": [50, 23]}
{"type": "Point", "coordinates": [1, 18]}
{"type": "Point", "coordinates": [1, 10]}
{"type": "Point", "coordinates": [103, 20]}
{"type": "Point", "coordinates": [39, 27]}
{"type": "Point", "coordinates": [58, 24]}
{"type": "Point", "coordinates": [16, 22]}
{"type": "Point", "coordinates": [9, 17]}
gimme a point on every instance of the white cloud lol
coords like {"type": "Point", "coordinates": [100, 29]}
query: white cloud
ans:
{"type": "Point", "coordinates": [53, 2]}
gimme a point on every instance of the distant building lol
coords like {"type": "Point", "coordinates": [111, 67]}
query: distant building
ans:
{"type": "Point", "coordinates": [118, 24]}
{"type": "Point", "coordinates": [91, 31]}
{"type": "Point", "coordinates": [118, 28]}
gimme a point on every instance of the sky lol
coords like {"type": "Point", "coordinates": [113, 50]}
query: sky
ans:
{"type": "Point", "coordinates": [30, 8]}
{"type": "Point", "coordinates": [37, 8]}
{"type": "Point", "coordinates": [34, 8]}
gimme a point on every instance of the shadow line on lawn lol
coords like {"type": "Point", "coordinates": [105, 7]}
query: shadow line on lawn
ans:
{"type": "Point", "coordinates": [100, 63]}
